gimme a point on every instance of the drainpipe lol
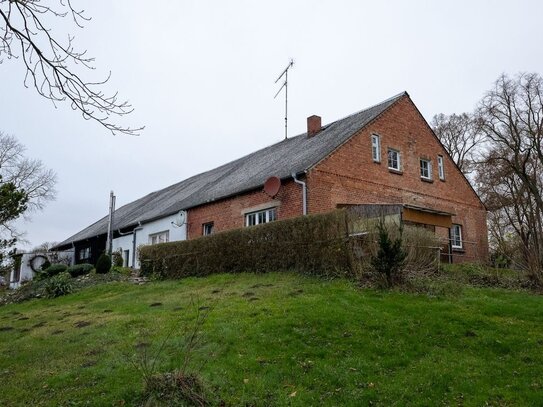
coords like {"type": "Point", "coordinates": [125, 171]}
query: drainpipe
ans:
{"type": "Point", "coordinates": [304, 192]}
{"type": "Point", "coordinates": [133, 232]}
{"type": "Point", "coordinates": [139, 227]}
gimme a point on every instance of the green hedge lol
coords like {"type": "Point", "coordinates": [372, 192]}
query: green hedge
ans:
{"type": "Point", "coordinates": [80, 269]}
{"type": "Point", "coordinates": [315, 244]}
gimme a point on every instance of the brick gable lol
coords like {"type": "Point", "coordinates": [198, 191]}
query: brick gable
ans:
{"type": "Point", "coordinates": [350, 176]}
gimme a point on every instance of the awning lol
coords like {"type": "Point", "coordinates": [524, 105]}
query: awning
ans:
{"type": "Point", "coordinates": [427, 216]}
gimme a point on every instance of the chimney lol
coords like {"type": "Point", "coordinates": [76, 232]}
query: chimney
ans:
{"type": "Point", "coordinates": [313, 125]}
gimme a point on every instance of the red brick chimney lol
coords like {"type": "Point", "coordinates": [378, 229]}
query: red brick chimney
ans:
{"type": "Point", "coordinates": [313, 125]}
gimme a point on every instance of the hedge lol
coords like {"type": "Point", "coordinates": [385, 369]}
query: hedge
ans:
{"type": "Point", "coordinates": [80, 269]}
{"type": "Point", "coordinates": [314, 244]}
{"type": "Point", "coordinates": [55, 269]}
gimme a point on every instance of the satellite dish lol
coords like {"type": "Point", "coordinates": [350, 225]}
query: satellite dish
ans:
{"type": "Point", "coordinates": [180, 219]}
{"type": "Point", "coordinates": [272, 185]}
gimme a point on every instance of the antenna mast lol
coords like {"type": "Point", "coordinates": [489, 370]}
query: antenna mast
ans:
{"type": "Point", "coordinates": [285, 85]}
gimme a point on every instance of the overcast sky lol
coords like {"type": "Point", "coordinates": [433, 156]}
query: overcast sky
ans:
{"type": "Point", "coordinates": [201, 74]}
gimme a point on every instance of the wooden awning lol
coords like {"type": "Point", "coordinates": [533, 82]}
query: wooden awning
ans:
{"type": "Point", "coordinates": [426, 216]}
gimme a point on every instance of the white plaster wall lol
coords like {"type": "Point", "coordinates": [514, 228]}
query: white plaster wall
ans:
{"type": "Point", "coordinates": [142, 235]}
{"type": "Point", "coordinates": [26, 271]}
{"type": "Point", "coordinates": [124, 243]}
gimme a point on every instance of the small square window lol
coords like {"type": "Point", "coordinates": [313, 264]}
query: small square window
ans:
{"type": "Point", "coordinates": [376, 148]}
{"type": "Point", "coordinates": [440, 167]}
{"type": "Point", "coordinates": [456, 237]}
{"type": "Point", "coordinates": [207, 228]}
{"type": "Point", "coordinates": [394, 159]}
{"type": "Point", "coordinates": [425, 169]}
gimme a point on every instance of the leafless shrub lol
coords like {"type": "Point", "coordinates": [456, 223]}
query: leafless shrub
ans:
{"type": "Point", "coordinates": [423, 250]}
{"type": "Point", "coordinates": [183, 386]}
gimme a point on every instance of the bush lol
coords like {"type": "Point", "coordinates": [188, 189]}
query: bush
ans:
{"type": "Point", "coordinates": [58, 285]}
{"type": "Point", "coordinates": [117, 258]}
{"type": "Point", "coordinates": [55, 269]}
{"type": "Point", "coordinates": [314, 244]}
{"type": "Point", "coordinates": [80, 269]}
{"type": "Point", "coordinates": [175, 389]}
{"type": "Point", "coordinates": [125, 271]}
{"type": "Point", "coordinates": [103, 265]}
{"type": "Point", "coordinates": [422, 248]}
{"type": "Point", "coordinates": [390, 256]}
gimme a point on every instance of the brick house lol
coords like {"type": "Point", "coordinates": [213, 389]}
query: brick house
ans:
{"type": "Point", "coordinates": [386, 154]}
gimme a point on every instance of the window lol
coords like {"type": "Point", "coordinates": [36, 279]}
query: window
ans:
{"type": "Point", "coordinates": [161, 237]}
{"type": "Point", "coordinates": [440, 167]}
{"type": "Point", "coordinates": [256, 218]}
{"type": "Point", "coordinates": [456, 237]}
{"type": "Point", "coordinates": [207, 228]}
{"type": "Point", "coordinates": [394, 159]}
{"type": "Point", "coordinates": [376, 148]}
{"type": "Point", "coordinates": [425, 169]}
{"type": "Point", "coordinates": [85, 253]}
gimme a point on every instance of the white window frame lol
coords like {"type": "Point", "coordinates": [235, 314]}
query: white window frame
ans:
{"type": "Point", "coordinates": [159, 237]}
{"type": "Point", "coordinates": [456, 236]}
{"type": "Point", "coordinates": [205, 230]}
{"type": "Point", "coordinates": [260, 217]}
{"type": "Point", "coordinates": [441, 167]}
{"type": "Point", "coordinates": [376, 148]}
{"type": "Point", "coordinates": [85, 253]}
{"type": "Point", "coordinates": [398, 159]}
{"type": "Point", "coordinates": [428, 169]}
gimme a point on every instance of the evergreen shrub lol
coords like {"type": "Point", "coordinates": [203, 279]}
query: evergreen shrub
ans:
{"type": "Point", "coordinates": [80, 269]}
{"type": "Point", "coordinates": [55, 269]}
{"type": "Point", "coordinates": [117, 259]}
{"type": "Point", "coordinates": [314, 244]}
{"type": "Point", "coordinates": [103, 264]}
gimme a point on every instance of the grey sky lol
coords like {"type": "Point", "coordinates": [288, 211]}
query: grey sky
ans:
{"type": "Point", "coordinates": [201, 77]}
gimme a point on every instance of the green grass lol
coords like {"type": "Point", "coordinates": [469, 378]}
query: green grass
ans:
{"type": "Point", "coordinates": [278, 339]}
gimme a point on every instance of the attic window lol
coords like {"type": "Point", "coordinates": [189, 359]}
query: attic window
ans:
{"type": "Point", "coordinates": [376, 148]}
{"type": "Point", "coordinates": [425, 169]}
{"type": "Point", "coordinates": [394, 162]}
{"type": "Point", "coordinates": [441, 167]}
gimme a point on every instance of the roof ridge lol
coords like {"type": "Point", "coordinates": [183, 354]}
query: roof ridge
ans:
{"type": "Point", "coordinates": [241, 174]}
{"type": "Point", "coordinates": [397, 96]}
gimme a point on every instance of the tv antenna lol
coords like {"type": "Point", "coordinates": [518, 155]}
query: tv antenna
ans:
{"type": "Point", "coordinates": [285, 85]}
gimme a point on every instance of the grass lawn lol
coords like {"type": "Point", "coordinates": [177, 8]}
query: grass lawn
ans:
{"type": "Point", "coordinates": [278, 339]}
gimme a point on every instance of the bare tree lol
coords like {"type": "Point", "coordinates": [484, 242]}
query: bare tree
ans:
{"type": "Point", "coordinates": [25, 173]}
{"type": "Point", "coordinates": [51, 64]}
{"type": "Point", "coordinates": [511, 120]}
{"type": "Point", "coordinates": [461, 137]}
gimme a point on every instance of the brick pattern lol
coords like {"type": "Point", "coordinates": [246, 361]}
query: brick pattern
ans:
{"type": "Point", "coordinates": [349, 176]}
{"type": "Point", "coordinates": [227, 213]}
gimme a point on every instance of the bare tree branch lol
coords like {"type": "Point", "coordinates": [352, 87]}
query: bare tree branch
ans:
{"type": "Point", "coordinates": [51, 65]}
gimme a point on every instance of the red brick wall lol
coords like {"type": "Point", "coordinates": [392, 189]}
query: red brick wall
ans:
{"type": "Point", "coordinates": [349, 176]}
{"type": "Point", "coordinates": [227, 213]}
